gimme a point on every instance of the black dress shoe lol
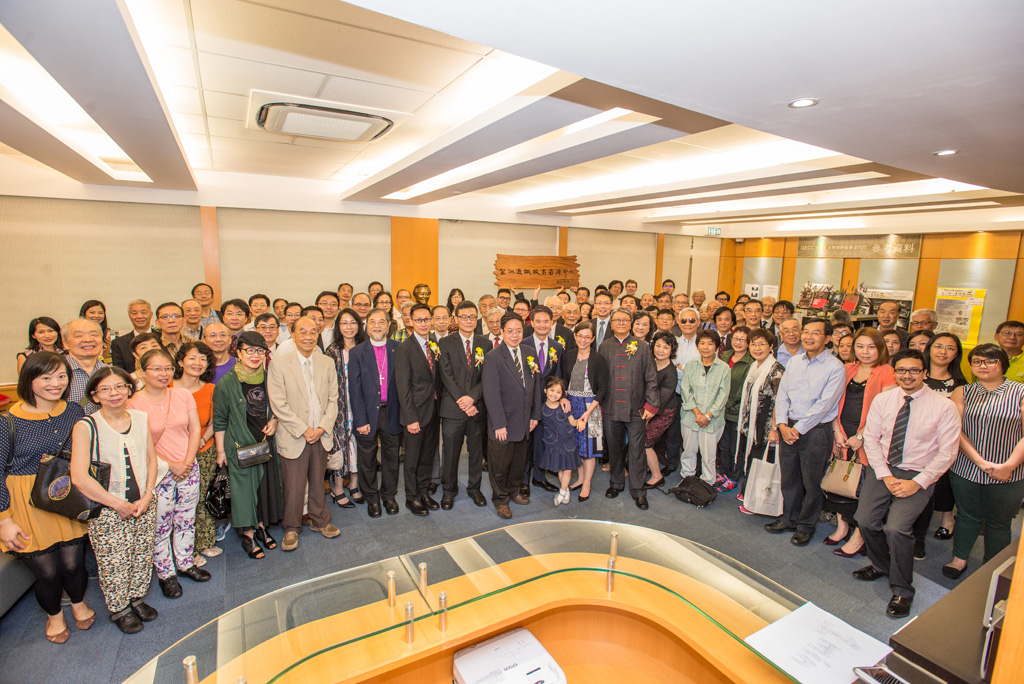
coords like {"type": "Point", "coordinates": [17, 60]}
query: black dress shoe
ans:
{"type": "Point", "coordinates": [655, 485]}
{"type": "Point", "coordinates": [433, 489]}
{"type": "Point", "coordinates": [391, 507]}
{"type": "Point", "coordinates": [446, 503]}
{"type": "Point", "coordinates": [778, 527]}
{"type": "Point", "coordinates": [127, 621]}
{"type": "Point", "coordinates": [479, 500]}
{"type": "Point", "coordinates": [524, 490]}
{"type": "Point", "coordinates": [800, 538]}
{"type": "Point", "coordinates": [430, 503]}
{"type": "Point", "coordinates": [170, 587]}
{"type": "Point", "coordinates": [943, 533]}
{"type": "Point", "coordinates": [196, 574]}
{"type": "Point", "coordinates": [545, 485]}
{"type": "Point", "coordinates": [347, 504]}
{"type": "Point", "coordinates": [146, 612]}
{"type": "Point", "coordinates": [612, 492]}
{"type": "Point", "coordinates": [951, 572]}
{"type": "Point", "coordinates": [899, 606]}
{"type": "Point", "coordinates": [869, 573]}
{"type": "Point", "coordinates": [641, 503]}
{"type": "Point", "coordinates": [373, 510]}
{"type": "Point", "coordinates": [416, 507]}
{"type": "Point", "coordinates": [582, 498]}
{"type": "Point", "coordinates": [919, 552]}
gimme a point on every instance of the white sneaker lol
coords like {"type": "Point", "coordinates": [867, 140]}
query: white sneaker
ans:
{"type": "Point", "coordinates": [561, 497]}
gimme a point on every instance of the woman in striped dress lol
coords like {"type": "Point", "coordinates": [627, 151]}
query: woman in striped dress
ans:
{"type": "Point", "coordinates": [987, 476]}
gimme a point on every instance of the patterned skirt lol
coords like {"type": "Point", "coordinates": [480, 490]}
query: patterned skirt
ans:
{"type": "Point", "coordinates": [589, 442]}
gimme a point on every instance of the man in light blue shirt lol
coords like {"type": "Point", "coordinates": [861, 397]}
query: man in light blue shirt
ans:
{"type": "Point", "coordinates": [807, 402]}
{"type": "Point", "coordinates": [789, 341]}
{"type": "Point", "coordinates": [689, 322]}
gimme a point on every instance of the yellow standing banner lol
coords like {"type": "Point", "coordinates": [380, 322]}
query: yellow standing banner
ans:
{"type": "Point", "coordinates": [959, 311]}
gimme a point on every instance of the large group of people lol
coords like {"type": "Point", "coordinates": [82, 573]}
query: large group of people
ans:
{"type": "Point", "coordinates": [296, 403]}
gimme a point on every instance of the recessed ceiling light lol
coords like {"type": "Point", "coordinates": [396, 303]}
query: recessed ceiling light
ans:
{"type": "Point", "coordinates": [802, 102]}
{"type": "Point", "coordinates": [945, 153]}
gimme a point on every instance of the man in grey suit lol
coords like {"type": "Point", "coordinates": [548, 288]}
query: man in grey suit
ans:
{"type": "Point", "coordinates": [303, 389]}
{"type": "Point", "coordinates": [513, 401]}
{"type": "Point", "coordinates": [461, 405]}
{"type": "Point", "coordinates": [631, 401]}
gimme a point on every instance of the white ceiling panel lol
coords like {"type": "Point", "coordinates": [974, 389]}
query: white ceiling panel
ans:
{"type": "Point", "coordinates": [239, 76]}
{"type": "Point", "coordinates": [164, 20]}
{"type": "Point", "coordinates": [183, 100]}
{"type": "Point", "coordinates": [188, 123]}
{"type": "Point", "coordinates": [370, 94]}
{"type": "Point", "coordinates": [248, 166]}
{"type": "Point", "coordinates": [225, 105]}
{"type": "Point", "coordinates": [280, 150]}
{"type": "Point", "coordinates": [231, 128]}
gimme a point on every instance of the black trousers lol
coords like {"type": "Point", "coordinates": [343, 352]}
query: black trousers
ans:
{"type": "Point", "coordinates": [420, 449]}
{"type": "Point", "coordinates": [454, 431]}
{"type": "Point", "coordinates": [729, 463]}
{"type": "Point", "coordinates": [633, 454]}
{"type": "Point", "coordinates": [506, 462]}
{"type": "Point", "coordinates": [803, 465]}
{"type": "Point", "coordinates": [366, 453]}
{"type": "Point", "coordinates": [670, 447]}
{"type": "Point", "coordinates": [890, 544]}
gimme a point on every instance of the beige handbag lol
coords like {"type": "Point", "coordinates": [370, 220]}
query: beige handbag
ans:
{"type": "Point", "coordinates": [842, 477]}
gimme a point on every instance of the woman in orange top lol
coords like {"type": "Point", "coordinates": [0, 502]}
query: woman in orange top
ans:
{"type": "Point", "coordinates": [868, 375]}
{"type": "Point", "coordinates": [195, 366]}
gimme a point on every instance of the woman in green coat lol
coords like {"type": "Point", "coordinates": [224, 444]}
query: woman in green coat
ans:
{"type": "Point", "coordinates": [241, 417]}
{"type": "Point", "coordinates": [730, 468]}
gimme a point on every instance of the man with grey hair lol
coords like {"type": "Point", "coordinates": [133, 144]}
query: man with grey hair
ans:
{"type": "Point", "coordinates": [697, 298]}
{"type": "Point", "coordinates": [689, 322]}
{"type": "Point", "coordinates": [83, 341]}
{"type": "Point", "coordinates": [561, 333]}
{"type": "Point", "coordinates": [140, 313]}
{"type": "Point", "coordinates": [924, 319]}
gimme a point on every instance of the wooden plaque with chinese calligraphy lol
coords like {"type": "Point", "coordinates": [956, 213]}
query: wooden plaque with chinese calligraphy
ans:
{"type": "Point", "coordinates": [527, 272]}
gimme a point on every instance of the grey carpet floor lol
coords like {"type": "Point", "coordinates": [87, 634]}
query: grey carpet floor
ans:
{"type": "Point", "coordinates": [103, 654]}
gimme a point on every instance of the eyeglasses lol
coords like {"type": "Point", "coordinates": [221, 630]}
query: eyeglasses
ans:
{"type": "Point", "coordinates": [621, 320]}
{"type": "Point", "coordinates": [912, 371]}
{"type": "Point", "coordinates": [467, 317]}
{"type": "Point", "coordinates": [421, 320]}
{"type": "Point", "coordinates": [104, 391]}
{"type": "Point", "coordinates": [161, 369]}
{"type": "Point", "coordinates": [169, 317]}
{"type": "Point", "coordinates": [944, 347]}
{"type": "Point", "coordinates": [266, 328]}
{"type": "Point", "coordinates": [688, 320]}
{"type": "Point", "coordinates": [984, 363]}
{"type": "Point", "coordinates": [253, 351]}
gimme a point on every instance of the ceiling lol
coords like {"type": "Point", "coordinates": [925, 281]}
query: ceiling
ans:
{"type": "Point", "coordinates": [671, 118]}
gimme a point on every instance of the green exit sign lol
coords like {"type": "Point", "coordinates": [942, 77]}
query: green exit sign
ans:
{"type": "Point", "coordinates": [714, 230]}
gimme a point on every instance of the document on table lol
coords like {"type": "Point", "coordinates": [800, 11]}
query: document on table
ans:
{"type": "Point", "coordinates": [815, 647]}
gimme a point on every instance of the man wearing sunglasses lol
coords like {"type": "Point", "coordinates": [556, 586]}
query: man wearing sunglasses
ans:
{"type": "Point", "coordinates": [689, 322]}
{"type": "Point", "coordinates": [911, 437]}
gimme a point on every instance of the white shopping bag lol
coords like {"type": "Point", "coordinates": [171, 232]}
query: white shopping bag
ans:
{"type": "Point", "coordinates": [763, 493]}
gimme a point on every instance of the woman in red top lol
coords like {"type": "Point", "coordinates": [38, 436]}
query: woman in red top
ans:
{"type": "Point", "coordinates": [195, 366]}
{"type": "Point", "coordinates": [868, 375]}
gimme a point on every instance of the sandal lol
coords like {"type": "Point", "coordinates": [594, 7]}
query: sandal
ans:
{"type": "Point", "coordinates": [356, 496]}
{"type": "Point", "coordinates": [198, 560]}
{"type": "Point", "coordinates": [263, 537]}
{"type": "Point", "coordinates": [347, 504]}
{"type": "Point", "coordinates": [252, 548]}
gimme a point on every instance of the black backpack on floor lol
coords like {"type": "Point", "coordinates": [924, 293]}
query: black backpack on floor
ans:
{"type": "Point", "coordinates": [693, 490]}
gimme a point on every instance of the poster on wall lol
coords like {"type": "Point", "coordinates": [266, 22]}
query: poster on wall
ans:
{"type": "Point", "coordinates": [905, 298]}
{"type": "Point", "coordinates": [752, 290]}
{"type": "Point", "coordinates": [959, 311]}
{"type": "Point", "coordinates": [770, 291]}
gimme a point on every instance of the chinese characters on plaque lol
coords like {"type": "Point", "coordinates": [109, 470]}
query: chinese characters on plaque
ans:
{"type": "Point", "coordinates": [862, 247]}
{"type": "Point", "coordinates": [527, 272]}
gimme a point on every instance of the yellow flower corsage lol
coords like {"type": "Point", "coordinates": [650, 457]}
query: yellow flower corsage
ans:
{"type": "Point", "coordinates": [434, 348]}
{"type": "Point", "coordinates": [631, 348]}
{"type": "Point", "coordinates": [479, 356]}
{"type": "Point", "coordinates": [552, 355]}
{"type": "Point", "coordinates": [532, 363]}
{"type": "Point", "coordinates": [561, 341]}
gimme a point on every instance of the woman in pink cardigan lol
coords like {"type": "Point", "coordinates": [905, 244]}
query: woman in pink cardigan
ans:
{"type": "Point", "coordinates": [868, 375]}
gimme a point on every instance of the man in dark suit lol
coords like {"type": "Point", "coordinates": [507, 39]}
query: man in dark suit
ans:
{"type": "Point", "coordinates": [547, 354]}
{"type": "Point", "coordinates": [418, 379]}
{"type": "Point", "coordinates": [487, 304]}
{"type": "Point", "coordinates": [512, 396]}
{"type": "Point", "coordinates": [461, 405]}
{"type": "Point", "coordinates": [373, 394]}
{"type": "Point", "coordinates": [140, 313]}
{"type": "Point", "coordinates": [563, 335]}
{"type": "Point", "coordinates": [632, 399]}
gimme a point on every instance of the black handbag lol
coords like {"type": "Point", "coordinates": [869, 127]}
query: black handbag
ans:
{"type": "Point", "coordinates": [53, 492]}
{"type": "Point", "coordinates": [218, 496]}
{"type": "Point", "coordinates": [254, 454]}
{"type": "Point", "coordinates": [693, 490]}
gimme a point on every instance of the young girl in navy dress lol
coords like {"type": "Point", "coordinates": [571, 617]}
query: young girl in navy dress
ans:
{"type": "Point", "coordinates": [559, 453]}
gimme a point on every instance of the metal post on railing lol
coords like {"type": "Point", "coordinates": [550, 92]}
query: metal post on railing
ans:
{"type": "Point", "coordinates": [442, 621]}
{"type": "Point", "coordinates": [423, 578]}
{"type": "Point", "coordinates": [409, 622]}
{"type": "Point", "coordinates": [611, 574]}
{"type": "Point", "coordinates": [242, 680]}
{"type": "Point", "coordinates": [191, 675]}
{"type": "Point", "coordinates": [615, 545]}
{"type": "Point", "coordinates": [391, 588]}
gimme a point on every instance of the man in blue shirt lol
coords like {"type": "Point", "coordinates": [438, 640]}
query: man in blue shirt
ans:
{"type": "Point", "coordinates": [807, 402]}
{"type": "Point", "coordinates": [789, 341]}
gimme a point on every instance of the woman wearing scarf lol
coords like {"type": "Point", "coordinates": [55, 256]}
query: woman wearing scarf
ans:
{"type": "Point", "coordinates": [241, 417]}
{"type": "Point", "coordinates": [756, 419]}
{"type": "Point", "coordinates": [348, 332]}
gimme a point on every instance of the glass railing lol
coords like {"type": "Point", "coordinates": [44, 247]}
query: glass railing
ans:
{"type": "Point", "coordinates": [342, 622]}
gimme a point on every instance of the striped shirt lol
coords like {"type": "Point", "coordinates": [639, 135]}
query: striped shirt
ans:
{"type": "Point", "coordinates": [992, 421]}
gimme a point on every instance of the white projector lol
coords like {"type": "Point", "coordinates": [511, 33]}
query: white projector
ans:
{"type": "Point", "coordinates": [515, 657]}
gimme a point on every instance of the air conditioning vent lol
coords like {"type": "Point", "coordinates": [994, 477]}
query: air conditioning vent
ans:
{"type": "Point", "coordinates": [317, 121]}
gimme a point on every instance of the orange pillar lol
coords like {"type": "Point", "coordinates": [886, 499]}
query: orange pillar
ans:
{"type": "Point", "coordinates": [211, 251]}
{"type": "Point", "coordinates": [414, 254]}
{"type": "Point", "coordinates": [659, 263]}
{"type": "Point", "coordinates": [787, 284]}
{"type": "Point", "coordinates": [851, 270]}
{"type": "Point", "coordinates": [563, 241]}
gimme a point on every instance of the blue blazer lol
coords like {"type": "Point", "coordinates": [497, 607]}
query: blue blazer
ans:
{"type": "Point", "coordinates": [364, 387]}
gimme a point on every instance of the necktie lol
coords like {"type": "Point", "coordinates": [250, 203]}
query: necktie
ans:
{"type": "Point", "coordinates": [519, 366]}
{"type": "Point", "coordinates": [469, 356]}
{"type": "Point", "coordinates": [899, 432]}
{"type": "Point", "coordinates": [430, 357]}
{"type": "Point", "coordinates": [542, 357]}
{"type": "Point", "coordinates": [497, 340]}
{"type": "Point", "coordinates": [600, 333]}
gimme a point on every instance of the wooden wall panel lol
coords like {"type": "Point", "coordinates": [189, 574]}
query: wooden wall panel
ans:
{"type": "Point", "coordinates": [414, 253]}
{"type": "Point", "coordinates": [211, 252]}
{"type": "Point", "coordinates": [659, 264]}
{"type": "Point", "coordinates": [927, 283]}
{"type": "Point", "coordinates": [851, 272]}
{"type": "Point", "coordinates": [563, 241]}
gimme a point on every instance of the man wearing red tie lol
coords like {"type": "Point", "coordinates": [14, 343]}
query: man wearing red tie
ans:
{"type": "Point", "coordinates": [461, 405]}
{"type": "Point", "coordinates": [911, 437]}
{"type": "Point", "coordinates": [418, 380]}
